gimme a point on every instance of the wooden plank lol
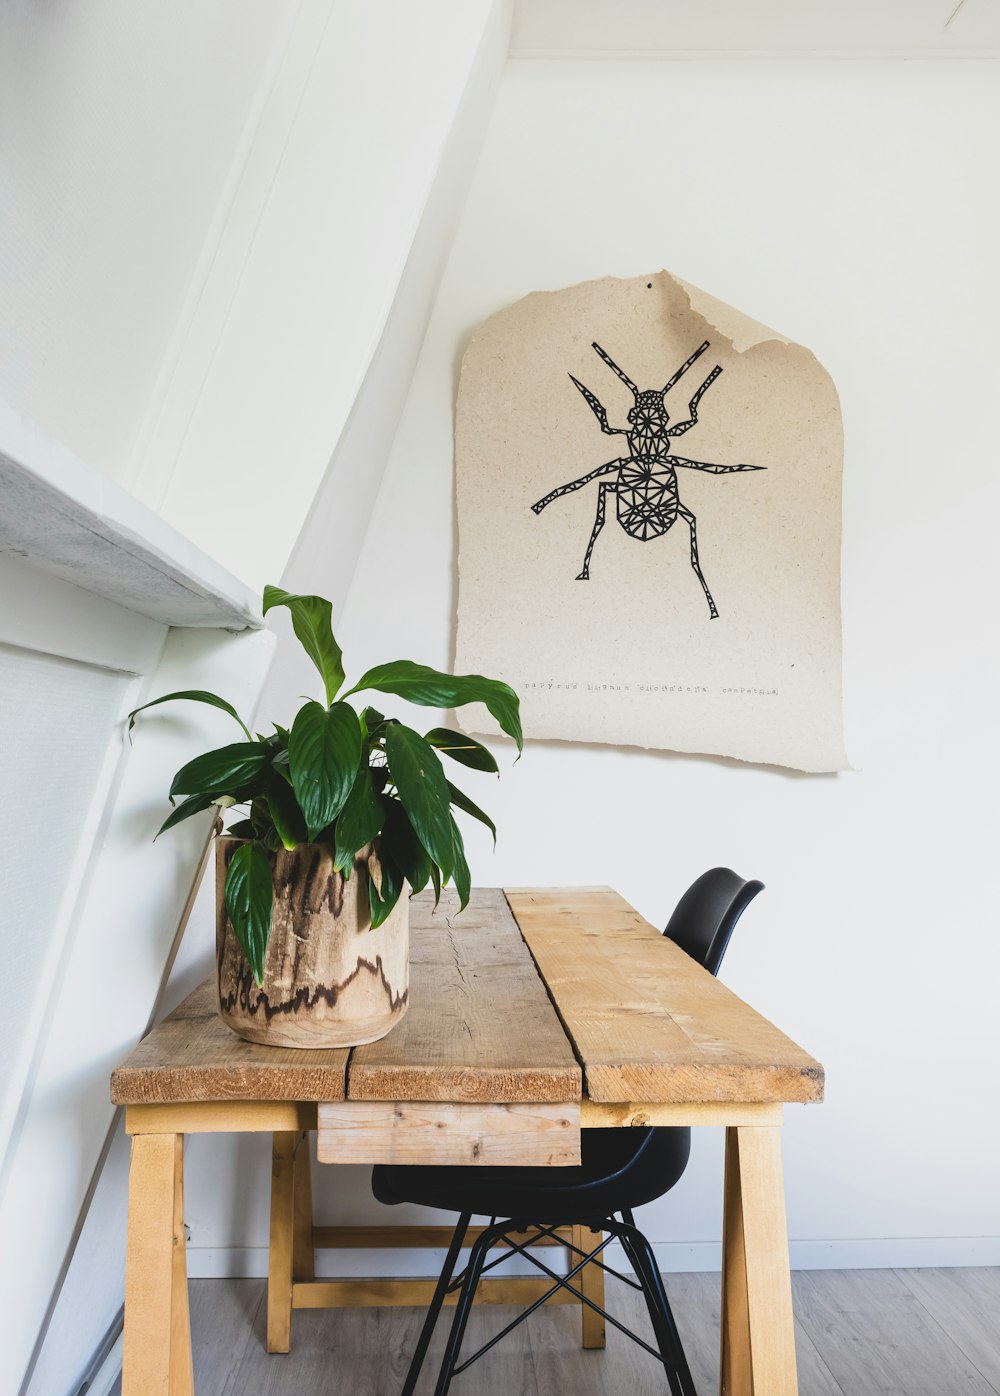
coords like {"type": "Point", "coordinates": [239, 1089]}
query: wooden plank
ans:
{"type": "Point", "coordinates": [878, 1340]}
{"type": "Point", "coordinates": [280, 1242]}
{"type": "Point", "coordinates": [363, 1294]}
{"type": "Point", "coordinates": [736, 1378]}
{"type": "Point", "coordinates": [591, 1283]}
{"type": "Point", "coordinates": [965, 1302]}
{"type": "Point", "coordinates": [150, 1313]}
{"type": "Point", "coordinates": [221, 1117]}
{"type": "Point", "coordinates": [193, 1056]}
{"type": "Point", "coordinates": [595, 1114]}
{"type": "Point", "coordinates": [363, 1238]}
{"type": "Point", "coordinates": [647, 1022]}
{"type": "Point", "coordinates": [303, 1250]}
{"type": "Point", "coordinates": [480, 1025]}
{"type": "Point", "coordinates": [181, 1360]}
{"type": "Point", "coordinates": [385, 1131]}
{"type": "Point", "coordinates": [769, 1321]}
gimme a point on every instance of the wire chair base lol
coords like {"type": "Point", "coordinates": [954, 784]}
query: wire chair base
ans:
{"type": "Point", "coordinates": [668, 1351]}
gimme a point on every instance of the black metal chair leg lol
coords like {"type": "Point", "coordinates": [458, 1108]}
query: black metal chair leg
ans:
{"type": "Point", "coordinates": [477, 1259]}
{"type": "Point", "coordinates": [434, 1308]}
{"type": "Point", "coordinates": [668, 1340]}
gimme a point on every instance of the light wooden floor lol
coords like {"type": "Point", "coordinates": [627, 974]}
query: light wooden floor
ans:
{"type": "Point", "coordinates": [860, 1333]}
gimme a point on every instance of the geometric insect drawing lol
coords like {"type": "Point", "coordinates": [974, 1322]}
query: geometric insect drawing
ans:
{"type": "Point", "coordinates": [645, 484]}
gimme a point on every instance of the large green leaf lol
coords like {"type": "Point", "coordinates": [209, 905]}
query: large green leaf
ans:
{"type": "Point", "coordinates": [312, 621]}
{"type": "Point", "coordinates": [462, 877]}
{"type": "Point", "coordinates": [249, 899]}
{"type": "Point", "coordinates": [223, 771]}
{"type": "Point", "coordinates": [405, 848]}
{"type": "Point", "coordinates": [194, 804]}
{"type": "Point", "coordinates": [432, 689]}
{"type": "Point", "coordinates": [382, 898]}
{"type": "Point", "coordinates": [192, 695]}
{"type": "Point", "coordinates": [462, 801]}
{"type": "Point", "coordinates": [324, 748]}
{"type": "Point", "coordinates": [464, 749]}
{"type": "Point", "coordinates": [415, 768]}
{"type": "Point", "coordinates": [360, 819]}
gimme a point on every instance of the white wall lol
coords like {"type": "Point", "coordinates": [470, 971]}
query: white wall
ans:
{"type": "Point", "coordinates": [121, 125]}
{"type": "Point", "coordinates": [852, 206]}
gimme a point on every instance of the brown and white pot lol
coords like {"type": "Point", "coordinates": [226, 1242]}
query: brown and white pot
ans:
{"type": "Point", "coordinates": [330, 979]}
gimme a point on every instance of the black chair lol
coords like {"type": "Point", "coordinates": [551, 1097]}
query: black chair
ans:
{"type": "Point", "coordinates": [620, 1169]}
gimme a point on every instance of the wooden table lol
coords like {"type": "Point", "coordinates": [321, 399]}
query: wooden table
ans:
{"type": "Point", "coordinates": [533, 1014]}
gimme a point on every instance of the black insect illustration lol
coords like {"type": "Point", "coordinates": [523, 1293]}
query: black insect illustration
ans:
{"type": "Point", "coordinates": [645, 483]}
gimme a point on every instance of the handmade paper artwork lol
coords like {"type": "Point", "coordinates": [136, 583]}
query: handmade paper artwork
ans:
{"type": "Point", "coordinates": [649, 524]}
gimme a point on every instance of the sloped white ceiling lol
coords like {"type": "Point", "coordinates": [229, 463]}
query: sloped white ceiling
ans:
{"type": "Point", "coordinates": [659, 28]}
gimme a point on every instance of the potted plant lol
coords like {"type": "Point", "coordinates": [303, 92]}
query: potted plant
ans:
{"type": "Point", "coordinates": [338, 814]}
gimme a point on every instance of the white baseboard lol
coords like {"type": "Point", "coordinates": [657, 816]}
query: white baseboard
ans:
{"type": "Point", "coordinates": [673, 1257]}
{"type": "Point", "coordinates": [101, 1381]}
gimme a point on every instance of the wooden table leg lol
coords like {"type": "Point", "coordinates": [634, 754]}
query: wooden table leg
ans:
{"type": "Point", "coordinates": [157, 1344]}
{"type": "Point", "coordinates": [591, 1282]}
{"type": "Point", "coordinates": [303, 1254]}
{"type": "Point", "coordinates": [758, 1330]}
{"type": "Point", "coordinates": [282, 1241]}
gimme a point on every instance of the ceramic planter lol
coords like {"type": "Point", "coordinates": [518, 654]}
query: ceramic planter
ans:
{"type": "Point", "coordinates": [330, 979]}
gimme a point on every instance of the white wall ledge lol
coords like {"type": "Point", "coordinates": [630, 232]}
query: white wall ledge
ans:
{"type": "Point", "coordinates": [68, 520]}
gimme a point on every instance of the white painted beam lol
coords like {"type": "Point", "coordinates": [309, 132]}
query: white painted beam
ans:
{"type": "Point", "coordinates": [68, 520]}
{"type": "Point", "coordinates": [754, 28]}
{"type": "Point", "coordinates": [335, 188]}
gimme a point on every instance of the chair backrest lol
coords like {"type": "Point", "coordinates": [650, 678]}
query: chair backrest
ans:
{"type": "Point", "coordinates": [648, 1162]}
{"type": "Point", "coordinates": [706, 915]}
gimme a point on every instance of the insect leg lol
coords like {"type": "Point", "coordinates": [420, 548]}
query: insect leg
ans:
{"type": "Point", "coordinates": [608, 487]}
{"type": "Point", "coordinates": [597, 407]}
{"type": "Point", "coordinates": [689, 519]}
{"type": "Point", "coordinates": [576, 484]}
{"type": "Point", "coordinates": [692, 419]}
{"type": "Point", "coordinates": [680, 461]}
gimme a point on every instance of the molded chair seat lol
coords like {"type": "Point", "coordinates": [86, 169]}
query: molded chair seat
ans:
{"type": "Point", "coordinates": [620, 1168]}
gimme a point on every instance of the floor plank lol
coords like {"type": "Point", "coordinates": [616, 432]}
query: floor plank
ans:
{"type": "Point", "coordinates": [966, 1303]}
{"type": "Point", "coordinates": [858, 1333]}
{"type": "Point", "coordinates": [877, 1338]}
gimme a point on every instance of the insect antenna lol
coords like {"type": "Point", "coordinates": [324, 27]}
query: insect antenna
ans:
{"type": "Point", "coordinates": [684, 366]}
{"type": "Point", "coordinates": [615, 369]}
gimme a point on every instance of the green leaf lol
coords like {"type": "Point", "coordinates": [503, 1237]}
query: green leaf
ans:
{"type": "Point", "coordinates": [249, 899]}
{"type": "Point", "coordinates": [288, 820]}
{"type": "Point", "coordinates": [312, 621]}
{"type": "Point", "coordinates": [242, 829]}
{"type": "Point", "coordinates": [381, 901]}
{"type": "Point", "coordinates": [464, 749]}
{"type": "Point", "coordinates": [194, 804]}
{"type": "Point", "coordinates": [432, 689]}
{"type": "Point", "coordinates": [223, 771]}
{"type": "Point", "coordinates": [436, 882]}
{"type": "Point", "coordinates": [359, 821]}
{"type": "Point", "coordinates": [405, 849]}
{"type": "Point", "coordinates": [462, 877]}
{"type": "Point", "coordinates": [192, 695]}
{"type": "Point", "coordinates": [281, 765]}
{"type": "Point", "coordinates": [263, 825]}
{"type": "Point", "coordinates": [423, 791]}
{"type": "Point", "coordinates": [324, 748]}
{"type": "Point", "coordinates": [462, 801]}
